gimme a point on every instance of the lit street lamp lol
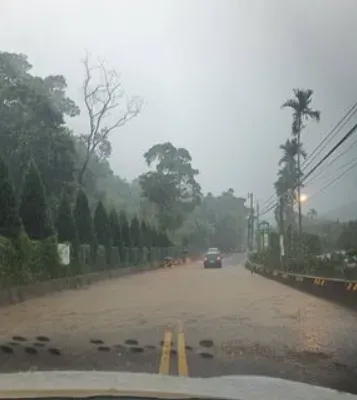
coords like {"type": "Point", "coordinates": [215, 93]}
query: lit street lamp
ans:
{"type": "Point", "coordinates": [303, 198]}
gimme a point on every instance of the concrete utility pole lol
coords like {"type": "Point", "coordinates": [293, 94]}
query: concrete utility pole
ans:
{"type": "Point", "coordinates": [250, 235]}
{"type": "Point", "coordinates": [257, 230]}
{"type": "Point", "coordinates": [281, 241]}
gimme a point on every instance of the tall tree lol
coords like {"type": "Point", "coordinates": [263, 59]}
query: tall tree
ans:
{"type": "Point", "coordinates": [135, 232]}
{"type": "Point", "coordinates": [291, 148]}
{"type": "Point", "coordinates": [163, 239]}
{"type": "Point", "coordinates": [33, 112]}
{"type": "Point", "coordinates": [66, 226]}
{"type": "Point", "coordinates": [115, 228]}
{"type": "Point", "coordinates": [33, 207]}
{"type": "Point", "coordinates": [172, 186]}
{"type": "Point", "coordinates": [285, 193]}
{"type": "Point", "coordinates": [103, 95]}
{"type": "Point", "coordinates": [219, 221]}
{"type": "Point", "coordinates": [312, 213]}
{"type": "Point", "coordinates": [302, 111]}
{"type": "Point", "coordinates": [154, 237]}
{"type": "Point", "coordinates": [125, 229]}
{"type": "Point", "coordinates": [84, 220]}
{"type": "Point", "coordinates": [10, 223]}
{"type": "Point", "coordinates": [288, 180]}
{"type": "Point", "coordinates": [102, 226]}
{"type": "Point", "coordinates": [145, 234]}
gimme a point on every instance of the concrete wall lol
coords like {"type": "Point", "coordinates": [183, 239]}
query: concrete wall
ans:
{"type": "Point", "coordinates": [337, 290]}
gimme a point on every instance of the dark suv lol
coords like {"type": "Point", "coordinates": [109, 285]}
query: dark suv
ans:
{"type": "Point", "coordinates": [213, 258]}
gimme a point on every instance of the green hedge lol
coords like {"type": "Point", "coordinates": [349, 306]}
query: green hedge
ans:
{"type": "Point", "coordinates": [23, 261]}
{"type": "Point", "coordinates": [333, 267]}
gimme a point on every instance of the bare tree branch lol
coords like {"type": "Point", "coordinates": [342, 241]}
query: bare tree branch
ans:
{"type": "Point", "coordinates": [107, 106]}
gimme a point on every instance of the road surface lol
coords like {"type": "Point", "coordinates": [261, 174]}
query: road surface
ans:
{"type": "Point", "coordinates": [189, 321]}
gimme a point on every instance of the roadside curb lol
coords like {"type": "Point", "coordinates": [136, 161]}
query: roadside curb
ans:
{"type": "Point", "coordinates": [18, 294]}
{"type": "Point", "coordinates": [334, 289]}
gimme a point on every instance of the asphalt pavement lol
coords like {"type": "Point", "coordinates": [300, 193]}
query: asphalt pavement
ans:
{"type": "Point", "coordinates": [187, 321]}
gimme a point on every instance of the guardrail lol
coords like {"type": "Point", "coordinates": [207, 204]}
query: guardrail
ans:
{"type": "Point", "coordinates": [338, 290]}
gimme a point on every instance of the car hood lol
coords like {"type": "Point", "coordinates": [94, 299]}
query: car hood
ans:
{"type": "Point", "coordinates": [86, 384]}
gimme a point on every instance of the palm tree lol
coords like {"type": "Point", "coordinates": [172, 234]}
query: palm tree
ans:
{"type": "Point", "coordinates": [312, 213]}
{"type": "Point", "coordinates": [302, 111]}
{"type": "Point", "coordinates": [284, 188]}
{"type": "Point", "coordinates": [291, 150]}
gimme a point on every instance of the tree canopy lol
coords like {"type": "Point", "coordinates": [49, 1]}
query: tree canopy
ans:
{"type": "Point", "coordinates": [219, 221]}
{"type": "Point", "coordinates": [172, 186]}
{"type": "Point", "coordinates": [70, 183]}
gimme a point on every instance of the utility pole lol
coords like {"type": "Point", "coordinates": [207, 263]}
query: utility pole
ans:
{"type": "Point", "coordinates": [250, 236]}
{"type": "Point", "coordinates": [281, 238]}
{"type": "Point", "coordinates": [257, 231]}
{"type": "Point", "coordinates": [252, 222]}
{"type": "Point", "coordinates": [248, 227]}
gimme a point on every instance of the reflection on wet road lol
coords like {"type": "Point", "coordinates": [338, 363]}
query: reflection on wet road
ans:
{"type": "Point", "coordinates": [186, 320]}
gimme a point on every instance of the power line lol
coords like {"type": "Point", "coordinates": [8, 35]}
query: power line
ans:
{"type": "Point", "coordinates": [269, 199]}
{"type": "Point", "coordinates": [327, 139]}
{"type": "Point", "coordinates": [333, 161]}
{"type": "Point", "coordinates": [318, 149]}
{"type": "Point", "coordinates": [269, 202]}
{"type": "Point", "coordinates": [269, 209]}
{"type": "Point", "coordinates": [312, 170]}
{"type": "Point", "coordinates": [334, 148]}
{"type": "Point", "coordinates": [335, 179]}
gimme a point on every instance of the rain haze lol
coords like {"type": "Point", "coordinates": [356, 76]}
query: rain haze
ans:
{"type": "Point", "coordinates": [213, 75]}
{"type": "Point", "coordinates": [117, 256]}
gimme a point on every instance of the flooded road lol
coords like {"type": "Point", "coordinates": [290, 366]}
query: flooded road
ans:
{"type": "Point", "coordinates": [187, 320]}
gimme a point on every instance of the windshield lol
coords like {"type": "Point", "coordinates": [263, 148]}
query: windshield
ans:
{"type": "Point", "coordinates": [178, 188]}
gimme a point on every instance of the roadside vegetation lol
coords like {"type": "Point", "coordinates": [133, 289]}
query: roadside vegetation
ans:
{"type": "Point", "coordinates": [312, 245]}
{"type": "Point", "coordinates": [57, 186]}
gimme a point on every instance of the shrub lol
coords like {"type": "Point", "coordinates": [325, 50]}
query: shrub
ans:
{"type": "Point", "coordinates": [84, 224]}
{"type": "Point", "coordinates": [135, 232]}
{"type": "Point", "coordinates": [102, 229]}
{"type": "Point", "coordinates": [125, 229]}
{"type": "Point", "coordinates": [10, 223]}
{"type": "Point", "coordinates": [114, 228]}
{"type": "Point", "coordinates": [10, 273]}
{"type": "Point", "coordinates": [33, 207]}
{"type": "Point", "coordinates": [101, 256]}
{"type": "Point", "coordinates": [49, 258]}
{"type": "Point", "coordinates": [66, 225]}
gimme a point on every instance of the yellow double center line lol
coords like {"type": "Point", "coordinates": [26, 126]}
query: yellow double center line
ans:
{"type": "Point", "coordinates": [165, 354]}
{"type": "Point", "coordinates": [181, 354]}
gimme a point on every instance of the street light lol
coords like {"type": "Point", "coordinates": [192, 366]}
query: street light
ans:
{"type": "Point", "coordinates": [303, 198]}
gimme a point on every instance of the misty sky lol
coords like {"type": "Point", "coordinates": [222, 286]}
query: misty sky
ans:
{"type": "Point", "coordinates": [213, 75]}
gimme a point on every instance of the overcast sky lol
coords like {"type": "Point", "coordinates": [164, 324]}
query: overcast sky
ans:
{"type": "Point", "coordinates": [213, 75]}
